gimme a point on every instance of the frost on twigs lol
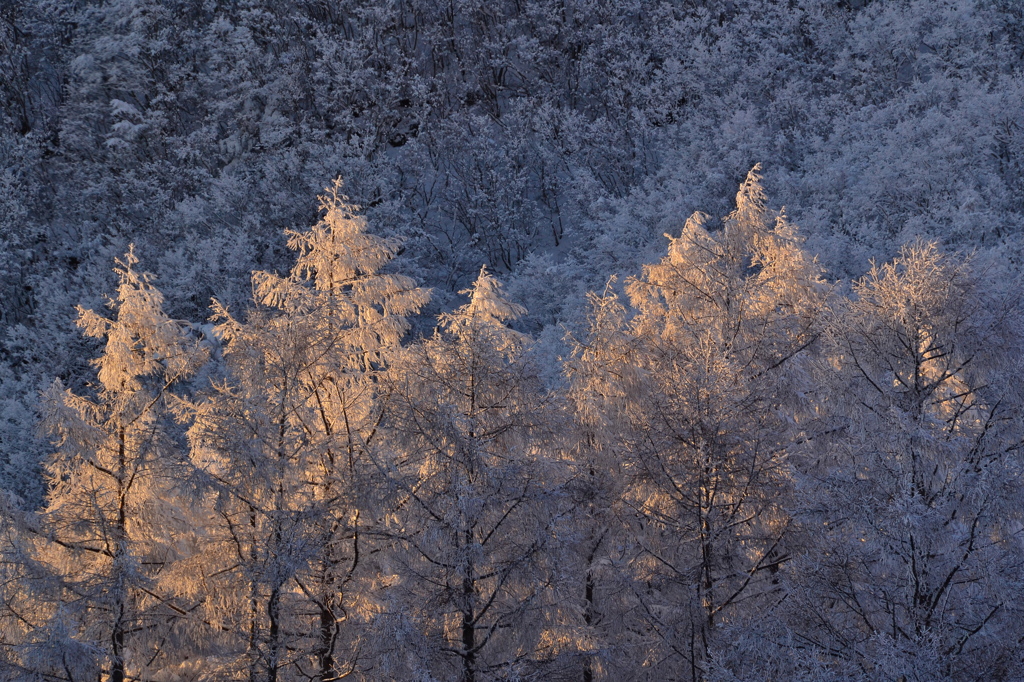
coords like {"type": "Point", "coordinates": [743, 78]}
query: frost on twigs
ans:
{"type": "Point", "coordinates": [338, 276]}
{"type": "Point", "coordinates": [692, 389]}
{"type": "Point", "coordinates": [141, 341]}
{"type": "Point", "coordinates": [476, 494]}
{"type": "Point", "coordinates": [287, 440]}
{"type": "Point", "coordinates": [113, 503]}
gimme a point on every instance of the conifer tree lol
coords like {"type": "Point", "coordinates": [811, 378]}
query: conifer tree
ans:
{"type": "Point", "coordinates": [95, 595]}
{"type": "Point", "coordinates": [915, 496]}
{"type": "Point", "coordinates": [693, 391]}
{"type": "Point", "coordinates": [283, 437]}
{"type": "Point", "coordinates": [470, 591]}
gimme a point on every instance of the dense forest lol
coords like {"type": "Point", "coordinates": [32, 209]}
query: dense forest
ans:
{"type": "Point", "coordinates": [432, 340]}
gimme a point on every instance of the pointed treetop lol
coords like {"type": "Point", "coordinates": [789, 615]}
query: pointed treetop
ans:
{"type": "Point", "coordinates": [340, 266]}
{"type": "Point", "coordinates": [694, 236]}
{"type": "Point", "coordinates": [486, 305]}
{"type": "Point", "coordinates": [141, 339]}
{"type": "Point", "coordinates": [751, 201]}
{"type": "Point", "coordinates": [338, 249]}
{"type": "Point", "coordinates": [486, 300]}
{"type": "Point", "coordinates": [756, 262]}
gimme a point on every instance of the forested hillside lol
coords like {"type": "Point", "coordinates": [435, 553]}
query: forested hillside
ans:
{"type": "Point", "coordinates": [426, 340]}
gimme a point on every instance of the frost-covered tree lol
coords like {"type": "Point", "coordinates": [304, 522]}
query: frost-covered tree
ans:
{"type": "Point", "coordinates": [917, 549]}
{"type": "Point", "coordinates": [95, 596]}
{"type": "Point", "coordinates": [282, 442]}
{"type": "Point", "coordinates": [696, 387]}
{"type": "Point", "coordinates": [469, 588]}
{"type": "Point", "coordinates": [553, 139]}
{"type": "Point", "coordinates": [357, 314]}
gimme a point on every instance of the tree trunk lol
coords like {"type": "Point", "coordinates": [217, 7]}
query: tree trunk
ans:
{"type": "Point", "coordinates": [468, 624]}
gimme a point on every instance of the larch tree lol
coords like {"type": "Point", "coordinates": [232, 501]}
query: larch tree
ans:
{"type": "Point", "coordinates": [358, 313]}
{"type": "Point", "coordinates": [915, 492]}
{"type": "Point", "coordinates": [469, 589]}
{"type": "Point", "coordinates": [694, 386]}
{"type": "Point", "coordinates": [282, 440]}
{"type": "Point", "coordinates": [600, 566]}
{"type": "Point", "coordinates": [95, 596]}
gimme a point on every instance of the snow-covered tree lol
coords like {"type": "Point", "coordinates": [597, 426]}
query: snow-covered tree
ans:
{"type": "Point", "coordinates": [917, 475]}
{"type": "Point", "coordinates": [468, 586]}
{"type": "Point", "coordinates": [697, 390]}
{"type": "Point", "coordinates": [95, 595]}
{"type": "Point", "coordinates": [554, 140]}
{"type": "Point", "coordinates": [282, 440]}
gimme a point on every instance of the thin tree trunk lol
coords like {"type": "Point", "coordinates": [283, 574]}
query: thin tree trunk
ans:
{"type": "Point", "coordinates": [588, 614]}
{"type": "Point", "coordinates": [120, 542]}
{"type": "Point", "coordinates": [468, 624]}
{"type": "Point", "coordinates": [274, 631]}
{"type": "Point", "coordinates": [468, 633]}
{"type": "Point", "coordinates": [328, 629]}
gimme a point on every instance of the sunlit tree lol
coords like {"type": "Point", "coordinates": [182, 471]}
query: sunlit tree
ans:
{"type": "Point", "coordinates": [696, 386]}
{"type": "Point", "coordinates": [282, 440]}
{"type": "Point", "coordinates": [94, 594]}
